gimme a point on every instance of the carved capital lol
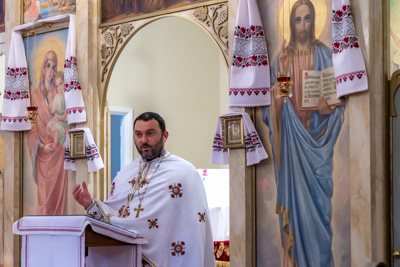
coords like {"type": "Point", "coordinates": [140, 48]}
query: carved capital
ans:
{"type": "Point", "coordinates": [112, 39]}
{"type": "Point", "coordinates": [215, 18]}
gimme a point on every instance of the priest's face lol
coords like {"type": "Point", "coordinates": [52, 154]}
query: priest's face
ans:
{"type": "Point", "coordinates": [149, 139]}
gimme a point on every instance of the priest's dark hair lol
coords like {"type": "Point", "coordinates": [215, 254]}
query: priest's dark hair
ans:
{"type": "Point", "coordinates": [146, 116]}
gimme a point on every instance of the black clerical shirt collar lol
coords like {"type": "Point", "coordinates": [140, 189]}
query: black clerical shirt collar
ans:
{"type": "Point", "coordinates": [162, 154]}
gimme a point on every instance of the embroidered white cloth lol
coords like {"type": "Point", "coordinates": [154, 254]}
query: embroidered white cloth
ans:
{"type": "Point", "coordinates": [60, 241]}
{"type": "Point", "coordinates": [16, 91]}
{"type": "Point", "coordinates": [93, 156]}
{"type": "Point", "coordinates": [348, 61]}
{"type": "Point", "coordinates": [73, 92]}
{"type": "Point", "coordinates": [164, 199]}
{"type": "Point", "coordinates": [250, 77]}
{"type": "Point", "coordinates": [255, 151]}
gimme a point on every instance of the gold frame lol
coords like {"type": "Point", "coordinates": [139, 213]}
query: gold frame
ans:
{"type": "Point", "coordinates": [77, 145]}
{"type": "Point", "coordinates": [238, 141]}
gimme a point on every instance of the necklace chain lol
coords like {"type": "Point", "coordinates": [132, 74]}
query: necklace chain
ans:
{"type": "Point", "coordinates": [142, 180]}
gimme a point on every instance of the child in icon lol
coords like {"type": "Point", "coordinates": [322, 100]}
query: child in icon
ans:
{"type": "Point", "coordinates": [58, 125]}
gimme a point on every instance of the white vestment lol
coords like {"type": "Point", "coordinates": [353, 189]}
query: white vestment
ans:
{"type": "Point", "coordinates": [165, 201]}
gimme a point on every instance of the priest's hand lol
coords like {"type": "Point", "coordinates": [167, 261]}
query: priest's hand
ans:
{"type": "Point", "coordinates": [82, 196]}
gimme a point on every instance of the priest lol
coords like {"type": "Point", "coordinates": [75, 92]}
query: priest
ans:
{"type": "Point", "coordinates": [162, 197]}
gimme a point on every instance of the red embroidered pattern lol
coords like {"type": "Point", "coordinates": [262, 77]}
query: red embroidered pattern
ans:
{"type": "Point", "coordinates": [92, 152]}
{"type": "Point", "coordinates": [72, 82]}
{"type": "Point", "coordinates": [252, 142]}
{"type": "Point", "coordinates": [75, 109]}
{"type": "Point", "coordinates": [250, 61]}
{"type": "Point", "coordinates": [124, 212]}
{"type": "Point", "coordinates": [132, 182]}
{"type": "Point", "coordinates": [350, 76]}
{"type": "Point", "coordinates": [246, 33]}
{"type": "Point", "coordinates": [153, 223]}
{"type": "Point", "coordinates": [348, 42]}
{"type": "Point", "coordinates": [243, 91]}
{"type": "Point", "coordinates": [178, 248]}
{"type": "Point", "coordinates": [69, 63]}
{"type": "Point", "coordinates": [14, 119]}
{"type": "Point", "coordinates": [14, 72]}
{"type": "Point", "coordinates": [338, 15]}
{"type": "Point", "coordinates": [16, 95]}
{"type": "Point", "coordinates": [72, 85]}
{"type": "Point", "coordinates": [176, 190]}
{"type": "Point", "coordinates": [221, 250]}
{"type": "Point", "coordinates": [202, 217]}
{"type": "Point", "coordinates": [218, 144]}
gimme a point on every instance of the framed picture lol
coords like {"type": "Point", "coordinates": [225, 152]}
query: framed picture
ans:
{"type": "Point", "coordinates": [113, 12]}
{"type": "Point", "coordinates": [45, 53]}
{"type": "Point", "coordinates": [41, 9]}
{"type": "Point", "coordinates": [232, 132]}
{"type": "Point", "coordinates": [78, 147]}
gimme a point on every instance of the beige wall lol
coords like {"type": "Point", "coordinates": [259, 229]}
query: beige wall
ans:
{"type": "Point", "coordinates": [172, 66]}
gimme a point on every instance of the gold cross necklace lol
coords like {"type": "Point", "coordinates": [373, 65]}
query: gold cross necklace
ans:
{"type": "Point", "coordinates": [142, 180]}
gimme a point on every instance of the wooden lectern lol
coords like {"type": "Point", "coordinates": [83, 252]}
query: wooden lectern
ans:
{"type": "Point", "coordinates": [76, 241]}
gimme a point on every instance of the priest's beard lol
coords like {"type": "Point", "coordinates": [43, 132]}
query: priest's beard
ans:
{"type": "Point", "coordinates": [154, 150]}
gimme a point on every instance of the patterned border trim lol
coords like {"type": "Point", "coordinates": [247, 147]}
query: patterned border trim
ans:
{"type": "Point", "coordinates": [348, 42]}
{"type": "Point", "coordinates": [72, 85]}
{"type": "Point", "coordinates": [252, 142]}
{"type": "Point", "coordinates": [346, 30]}
{"type": "Point", "coordinates": [248, 91]}
{"type": "Point", "coordinates": [16, 95]}
{"type": "Point", "coordinates": [72, 82]}
{"type": "Point", "coordinates": [14, 72]}
{"type": "Point", "coordinates": [338, 15]}
{"type": "Point", "coordinates": [14, 119]}
{"type": "Point", "coordinates": [250, 61]}
{"type": "Point", "coordinates": [92, 152]}
{"type": "Point", "coordinates": [218, 144]}
{"type": "Point", "coordinates": [350, 76]}
{"type": "Point", "coordinates": [75, 109]}
{"type": "Point", "coordinates": [246, 33]}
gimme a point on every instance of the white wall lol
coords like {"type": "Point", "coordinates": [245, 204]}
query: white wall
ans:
{"type": "Point", "coordinates": [173, 67]}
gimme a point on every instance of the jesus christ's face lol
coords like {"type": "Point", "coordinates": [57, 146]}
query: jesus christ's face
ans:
{"type": "Point", "coordinates": [149, 139]}
{"type": "Point", "coordinates": [303, 24]}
